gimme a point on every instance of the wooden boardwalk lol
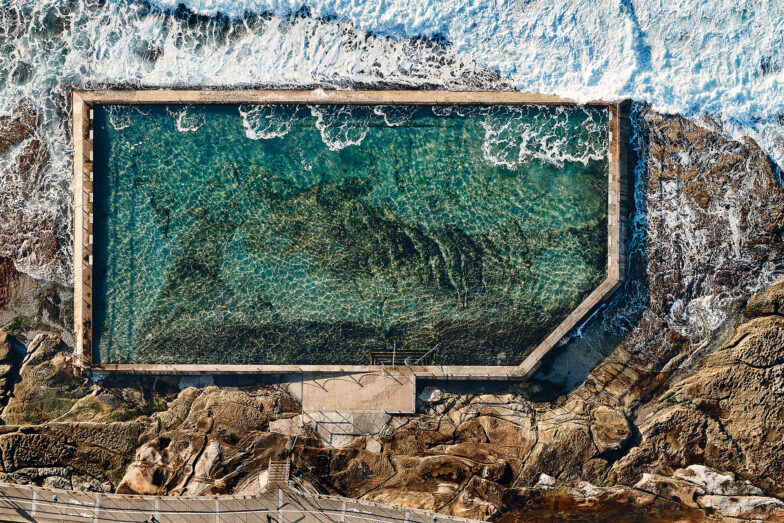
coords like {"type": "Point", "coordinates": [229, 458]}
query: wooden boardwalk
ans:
{"type": "Point", "coordinates": [33, 504]}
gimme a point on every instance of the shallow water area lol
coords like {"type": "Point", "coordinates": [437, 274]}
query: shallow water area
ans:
{"type": "Point", "coordinates": [301, 234]}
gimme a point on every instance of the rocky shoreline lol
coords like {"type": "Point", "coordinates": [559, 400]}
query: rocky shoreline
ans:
{"type": "Point", "coordinates": [679, 422]}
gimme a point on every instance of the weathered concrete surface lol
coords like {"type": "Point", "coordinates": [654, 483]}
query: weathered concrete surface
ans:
{"type": "Point", "coordinates": [319, 96]}
{"type": "Point", "coordinates": [380, 391]}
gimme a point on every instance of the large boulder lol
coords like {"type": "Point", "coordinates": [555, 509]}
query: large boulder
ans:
{"type": "Point", "coordinates": [219, 440]}
{"type": "Point", "coordinates": [47, 386]}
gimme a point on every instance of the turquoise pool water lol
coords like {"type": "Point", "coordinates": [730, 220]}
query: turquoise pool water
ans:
{"type": "Point", "coordinates": [316, 235]}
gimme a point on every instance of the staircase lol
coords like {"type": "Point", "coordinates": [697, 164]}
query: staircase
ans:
{"type": "Point", "coordinates": [403, 357]}
{"type": "Point", "coordinates": [334, 429]}
{"type": "Point", "coordinates": [278, 474]}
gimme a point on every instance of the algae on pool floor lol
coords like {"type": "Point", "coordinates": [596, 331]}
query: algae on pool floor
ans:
{"type": "Point", "coordinates": [317, 235]}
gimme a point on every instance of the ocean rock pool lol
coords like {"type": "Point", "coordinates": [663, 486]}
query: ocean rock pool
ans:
{"type": "Point", "coordinates": [332, 234]}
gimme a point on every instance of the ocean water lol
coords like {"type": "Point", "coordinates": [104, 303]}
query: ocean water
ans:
{"type": "Point", "coordinates": [323, 234]}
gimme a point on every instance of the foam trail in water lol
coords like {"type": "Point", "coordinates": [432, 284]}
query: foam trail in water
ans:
{"type": "Point", "coordinates": [186, 120]}
{"type": "Point", "coordinates": [263, 122]}
{"type": "Point", "coordinates": [340, 126]}
{"type": "Point", "coordinates": [515, 135]}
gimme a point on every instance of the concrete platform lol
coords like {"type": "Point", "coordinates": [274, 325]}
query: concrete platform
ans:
{"type": "Point", "coordinates": [394, 389]}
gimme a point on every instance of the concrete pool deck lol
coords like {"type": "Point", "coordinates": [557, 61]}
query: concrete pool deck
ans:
{"type": "Point", "coordinates": [82, 106]}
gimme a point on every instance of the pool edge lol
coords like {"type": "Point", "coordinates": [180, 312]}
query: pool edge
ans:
{"type": "Point", "coordinates": [82, 102]}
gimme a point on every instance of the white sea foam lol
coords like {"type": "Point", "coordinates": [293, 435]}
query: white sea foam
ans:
{"type": "Point", "coordinates": [263, 122]}
{"type": "Point", "coordinates": [395, 115]}
{"type": "Point", "coordinates": [516, 135]}
{"type": "Point", "coordinates": [119, 116]}
{"type": "Point", "coordinates": [720, 58]}
{"type": "Point", "coordinates": [186, 119]}
{"type": "Point", "coordinates": [340, 126]}
{"type": "Point", "coordinates": [48, 45]}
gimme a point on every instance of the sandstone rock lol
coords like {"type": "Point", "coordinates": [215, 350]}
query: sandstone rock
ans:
{"type": "Point", "coordinates": [47, 387]}
{"type": "Point", "coordinates": [609, 429]}
{"type": "Point", "coordinates": [746, 507]}
{"type": "Point", "coordinates": [508, 441]}
{"type": "Point", "coordinates": [545, 480]}
{"type": "Point", "coordinates": [713, 482]}
{"type": "Point", "coordinates": [216, 439]}
{"type": "Point", "coordinates": [427, 483]}
{"type": "Point", "coordinates": [373, 445]}
{"type": "Point", "coordinates": [5, 346]}
{"type": "Point", "coordinates": [770, 301]}
{"type": "Point", "coordinates": [671, 488]}
{"type": "Point", "coordinates": [480, 499]}
{"type": "Point", "coordinates": [726, 415]}
{"type": "Point", "coordinates": [617, 503]}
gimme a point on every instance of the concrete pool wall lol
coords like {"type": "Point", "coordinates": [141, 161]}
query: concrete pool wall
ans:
{"type": "Point", "coordinates": [84, 101]}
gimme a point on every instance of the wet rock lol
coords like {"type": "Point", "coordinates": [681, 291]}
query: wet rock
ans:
{"type": "Point", "coordinates": [47, 386]}
{"type": "Point", "coordinates": [29, 234]}
{"type": "Point", "coordinates": [16, 127]}
{"type": "Point", "coordinates": [32, 161]}
{"type": "Point", "coordinates": [8, 280]}
{"type": "Point", "coordinates": [30, 239]}
{"type": "Point", "coordinates": [617, 503]}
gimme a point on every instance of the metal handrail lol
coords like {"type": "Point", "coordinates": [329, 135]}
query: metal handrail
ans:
{"type": "Point", "coordinates": [66, 504]}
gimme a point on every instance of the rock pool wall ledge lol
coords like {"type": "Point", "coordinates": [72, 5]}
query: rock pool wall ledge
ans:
{"type": "Point", "coordinates": [82, 106]}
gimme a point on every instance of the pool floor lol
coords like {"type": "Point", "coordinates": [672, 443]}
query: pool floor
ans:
{"type": "Point", "coordinates": [296, 234]}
